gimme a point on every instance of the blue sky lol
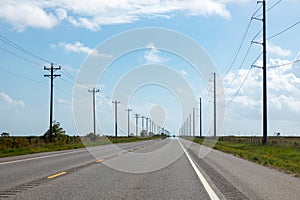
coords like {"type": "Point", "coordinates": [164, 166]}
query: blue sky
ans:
{"type": "Point", "coordinates": [66, 32]}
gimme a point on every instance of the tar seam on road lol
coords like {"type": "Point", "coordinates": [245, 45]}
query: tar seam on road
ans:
{"type": "Point", "coordinates": [207, 187]}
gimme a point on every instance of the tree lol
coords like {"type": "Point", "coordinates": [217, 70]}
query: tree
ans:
{"type": "Point", "coordinates": [57, 135]}
{"type": "Point", "coordinates": [4, 134]}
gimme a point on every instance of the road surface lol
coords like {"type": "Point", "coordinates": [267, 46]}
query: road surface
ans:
{"type": "Point", "coordinates": [156, 169]}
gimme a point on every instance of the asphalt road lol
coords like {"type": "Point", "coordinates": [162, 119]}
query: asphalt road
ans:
{"type": "Point", "coordinates": [160, 169]}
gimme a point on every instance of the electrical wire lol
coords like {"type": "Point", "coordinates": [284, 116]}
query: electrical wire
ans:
{"type": "Point", "coordinates": [21, 49]}
{"type": "Point", "coordinates": [276, 66]}
{"type": "Point", "coordinates": [286, 29]}
{"type": "Point", "coordinates": [21, 57]}
{"type": "Point", "coordinates": [246, 77]}
{"type": "Point", "coordinates": [68, 74]}
{"type": "Point", "coordinates": [238, 90]}
{"type": "Point", "coordinates": [21, 76]}
{"type": "Point", "coordinates": [242, 42]}
{"type": "Point", "coordinates": [274, 5]}
{"type": "Point", "coordinates": [68, 82]}
{"type": "Point", "coordinates": [240, 67]}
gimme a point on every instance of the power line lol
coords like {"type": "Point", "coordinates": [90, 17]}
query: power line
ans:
{"type": "Point", "coordinates": [275, 35]}
{"type": "Point", "coordinates": [242, 42]}
{"type": "Point", "coordinates": [21, 76]}
{"type": "Point", "coordinates": [239, 48]}
{"type": "Point", "coordinates": [276, 66]}
{"type": "Point", "coordinates": [238, 90]}
{"type": "Point", "coordinates": [240, 67]}
{"type": "Point", "coordinates": [19, 48]}
{"type": "Point", "coordinates": [68, 74]}
{"type": "Point", "coordinates": [68, 82]}
{"type": "Point", "coordinates": [274, 5]}
{"type": "Point", "coordinates": [21, 57]}
{"type": "Point", "coordinates": [233, 97]}
{"type": "Point", "coordinates": [33, 80]}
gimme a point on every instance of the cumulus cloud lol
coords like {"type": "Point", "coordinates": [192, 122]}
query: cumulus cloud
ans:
{"type": "Point", "coordinates": [283, 91]}
{"type": "Point", "coordinates": [6, 102]}
{"type": "Point", "coordinates": [279, 51]}
{"type": "Point", "coordinates": [92, 14]}
{"type": "Point", "coordinates": [152, 55]}
{"type": "Point", "coordinates": [78, 47]}
{"type": "Point", "coordinates": [25, 15]}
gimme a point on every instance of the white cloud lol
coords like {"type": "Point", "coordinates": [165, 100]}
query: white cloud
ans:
{"type": "Point", "coordinates": [92, 14]}
{"type": "Point", "coordinates": [279, 51]}
{"type": "Point", "coordinates": [6, 102]}
{"type": "Point", "coordinates": [25, 15]}
{"type": "Point", "coordinates": [63, 101]}
{"type": "Point", "coordinates": [152, 55]}
{"type": "Point", "coordinates": [61, 14]}
{"type": "Point", "coordinates": [84, 23]}
{"type": "Point", "coordinates": [78, 47]}
{"type": "Point", "coordinates": [184, 73]}
{"type": "Point", "coordinates": [283, 92]}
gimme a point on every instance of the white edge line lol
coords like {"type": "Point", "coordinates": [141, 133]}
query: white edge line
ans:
{"type": "Point", "coordinates": [207, 187]}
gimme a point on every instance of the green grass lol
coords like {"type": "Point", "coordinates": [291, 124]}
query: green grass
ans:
{"type": "Point", "coordinates": [48, 147]}
{"type": "Point", "coordinates": [283, 157]}
{"type": "Point", "coordinates": [30, 150]}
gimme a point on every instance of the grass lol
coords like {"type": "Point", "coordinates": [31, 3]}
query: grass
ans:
{"type": "Point", "coordinates": [48, 147]}
{"type": "Point", "coordinates": [283, 157]}
{"type": "Point", "coordinates": [30, 150]}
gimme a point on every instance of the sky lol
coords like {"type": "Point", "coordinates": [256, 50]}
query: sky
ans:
{"type": "Point", "coordinates": [72, 34]}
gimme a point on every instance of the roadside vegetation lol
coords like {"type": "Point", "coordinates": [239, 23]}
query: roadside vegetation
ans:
{"type": "Point", "coordinates": [12, 146]}
{"type": "Point", "coordinates": [282, 153]}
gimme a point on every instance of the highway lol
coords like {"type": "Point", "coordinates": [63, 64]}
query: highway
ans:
{"type": "Point", "coordinates": [155, 169]}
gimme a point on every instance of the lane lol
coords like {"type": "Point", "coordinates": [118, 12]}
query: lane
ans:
{"type": "Point", "coordinates": [237, 178]}
{"type": "Point", "coordinates": [177, 180]}
{"type": "Point", "coordinates": [19, 170]}
{"type": "Point", "coordinates": [162, 169]}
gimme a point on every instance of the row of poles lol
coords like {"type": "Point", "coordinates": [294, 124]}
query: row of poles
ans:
{"type": "Point", "coordinates": [188, 128]}
{"type": "Point", "coordinates": [52, 76]}
{"type": "Point", "coordinates": [151, 127]}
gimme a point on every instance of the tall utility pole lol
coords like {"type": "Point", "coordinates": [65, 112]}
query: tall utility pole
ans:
{"type": "Point", "coordinates": [265, 117]}
{"type": "Point", "coordinates": [116, 117]}
{"type": "Point", "coordinates": [152, 127]}
{"type": "Point", "coordinates": [215, 106]}
{"type": "Point", "coordinates": [128, 120]}
{"type": "Point", "coordinates": [200, 117]}
{"type": "Point", "coordinates": [190, 125]}
{"type": "Point", "coordinates": [136, 124]}
{"type": "Point", "coordinates": [52, 76]}
{"type": "Point", "coordinates": [264, 68]}
{"type": "Point", "coordinates": [94, 108]}
{"type": "Point", "coordinates": [147, 124]}
{"type": "Point", "coordinates": [143, 123]}
{"type": "Point", "coordinates": [194, 122]}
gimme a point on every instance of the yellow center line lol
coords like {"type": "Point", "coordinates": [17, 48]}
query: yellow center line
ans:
{"type": "Point", "coordinates": [56, 175]}
{"type": "Point", "coordinates": [98, 161]}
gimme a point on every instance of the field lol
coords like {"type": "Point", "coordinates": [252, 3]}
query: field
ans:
{"type": "Point", "coordinates": [282, 153]}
